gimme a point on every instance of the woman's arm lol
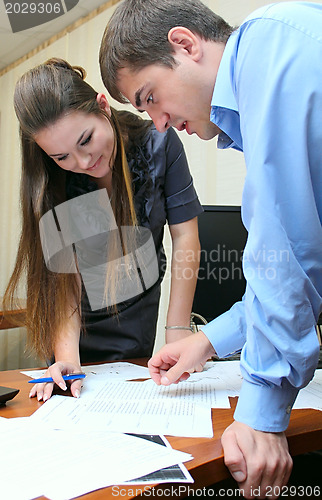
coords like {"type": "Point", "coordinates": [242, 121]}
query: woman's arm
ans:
{"type": "Point", "coordinates": [184, 273]}
{"type": "Point", "coordinates": [67, 344]}
{"type": "Point", "coordinates": [67, 360]}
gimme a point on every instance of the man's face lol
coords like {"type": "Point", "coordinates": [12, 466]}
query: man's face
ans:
{"type": "Point", "coordinates": [173, 97]}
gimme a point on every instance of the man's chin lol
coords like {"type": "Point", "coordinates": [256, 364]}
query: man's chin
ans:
{"type": "Point", "coordinates": [206, 136]}
{"type": "Point", "coordinates": [208, 132]}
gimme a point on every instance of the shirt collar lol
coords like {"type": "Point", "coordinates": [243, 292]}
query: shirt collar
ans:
{"type": "Point", "coordinates": [223, 95]}
{"type": "Point", "coordinates": [224, 108]}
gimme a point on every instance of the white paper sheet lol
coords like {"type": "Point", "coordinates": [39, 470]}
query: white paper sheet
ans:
{"type": "Point", "coordinates": [203, 392]}
{"type": "Point", "coordinates": [115, 371]}
{"type": "Point", "coordinates": [50, 462]}
{"type": "Point", "coordinates": [311, 395]}
{"type": "Point", "coordinates": [177, 418]}
{"type": "Point", "coordinates": [177, 473]}
{"type": "Point", "coordinates": [143, 407]}
{"type": "Point", "coordinates": [226, 375]}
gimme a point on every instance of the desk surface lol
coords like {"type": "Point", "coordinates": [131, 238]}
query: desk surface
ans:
{"type": "Point", "coordinates": [304, 434]}
{"type": "Point", "coordinates": [8, 319]}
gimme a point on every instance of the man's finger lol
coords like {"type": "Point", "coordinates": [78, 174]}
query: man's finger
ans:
{"type": "Point", "coordinates": [234, 458]}
{"type": "Point", "coordinates": [174, 374]}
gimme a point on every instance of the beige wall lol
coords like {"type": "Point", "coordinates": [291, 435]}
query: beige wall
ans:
{"type": "Point", "coordinates": [218, 175]}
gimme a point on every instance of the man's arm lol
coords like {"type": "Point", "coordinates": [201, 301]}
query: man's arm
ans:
{"type": "Point", "coordinates": [255, 459]}
{"type": "Point", "coordinates": [281, 140]}
{"type": "Point", "coordinates": [258, 461]}
{"type": "Point", "coordinates": [281, 260]}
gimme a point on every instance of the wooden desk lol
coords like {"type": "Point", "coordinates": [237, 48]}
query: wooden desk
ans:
{"type": "Point", "coordinates": [304, 434]}
{"type": "Point", "coordinates": [8, 321]}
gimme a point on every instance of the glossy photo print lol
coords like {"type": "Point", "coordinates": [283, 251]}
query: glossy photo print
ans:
{"type": "Point", "coordinates": [24, 15]}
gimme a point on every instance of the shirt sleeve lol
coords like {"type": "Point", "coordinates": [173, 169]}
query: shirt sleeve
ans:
{"type": "Point", "coordinates": [232, 321]}
{"type": "Point", "coordinates": [280, 108]}
{"type": "Point", "coordinates": [182, 201]}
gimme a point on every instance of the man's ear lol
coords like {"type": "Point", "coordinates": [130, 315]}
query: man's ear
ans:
{"type": "Point", "coordinates": [182, 38]}
{"type": "Point", "coordinates": [103, 103]}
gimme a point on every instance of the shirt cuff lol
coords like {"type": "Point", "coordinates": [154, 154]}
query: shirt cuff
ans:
{"type": "Point", "coordinates": [227, 332]}
{"type": "Point", "coordinates": [266, 408]}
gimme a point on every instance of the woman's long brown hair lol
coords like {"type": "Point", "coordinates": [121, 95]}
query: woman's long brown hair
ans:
{"type": "Point", "coordinates": [42, 96]}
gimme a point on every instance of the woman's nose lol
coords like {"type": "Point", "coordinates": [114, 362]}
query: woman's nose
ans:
{"type": "Point", "coordinates": [83, 160]}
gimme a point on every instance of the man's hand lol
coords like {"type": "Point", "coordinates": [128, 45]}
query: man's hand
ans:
{"type": "Point", "coordinates": [175, 361]}
{"type": "Point", "coordinates": [258, 461]}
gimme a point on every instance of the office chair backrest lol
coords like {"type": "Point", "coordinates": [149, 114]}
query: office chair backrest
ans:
{"type": "Point", "coordinates": [220, 280]}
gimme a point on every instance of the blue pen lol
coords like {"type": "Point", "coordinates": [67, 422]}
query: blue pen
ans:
{"type": "Point", "coordinates": [71, 376]}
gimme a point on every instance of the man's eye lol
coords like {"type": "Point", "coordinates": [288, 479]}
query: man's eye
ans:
{"type": "Point", "coordinates": [150, 99]}
{"type": "Point", "coordinates": [87, 140]}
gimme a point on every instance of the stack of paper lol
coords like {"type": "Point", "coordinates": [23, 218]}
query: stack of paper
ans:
{"type": "Point", "coordinates": [108, 402]}
{"type": "Point", "coordinates": [67, 437]}
{"type": "Point", "coordinates": [61, 436]}
{"type": "Point", "coordinates": [111, 403]}
{"type": "Point", "coordinates": [65, 464]}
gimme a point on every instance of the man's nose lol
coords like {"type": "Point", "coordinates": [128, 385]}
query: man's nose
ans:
{"type": "Point", "coordinates": [160, 120]}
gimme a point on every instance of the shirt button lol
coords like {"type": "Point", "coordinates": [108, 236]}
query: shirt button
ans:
{"type": "Point", "coordinates": [288, 409]}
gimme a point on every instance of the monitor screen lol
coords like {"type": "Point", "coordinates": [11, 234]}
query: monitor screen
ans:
{"type": "Point", "coordinates": [220, 280]}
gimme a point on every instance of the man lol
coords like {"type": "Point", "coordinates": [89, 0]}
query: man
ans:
{"type": "Point", "coordinates": [260, 85]}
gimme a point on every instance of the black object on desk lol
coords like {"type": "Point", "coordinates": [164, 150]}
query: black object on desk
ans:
{"type": "Point", "coordinates": [6, 393]}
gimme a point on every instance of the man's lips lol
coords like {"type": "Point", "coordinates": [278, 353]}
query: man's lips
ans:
{"type": "Point", "coordinates": [184, 126]}
{"type": "Point", "coordinates": [96, 164]}
{"type": "Point", "coordinates": [189, 132]}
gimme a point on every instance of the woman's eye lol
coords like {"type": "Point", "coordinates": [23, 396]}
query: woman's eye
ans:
{"type": "Point", "coordinates": [150, 99]}
{"type": "Point", "coordinates": [62, 158]}
{"type": "Point", "coordinates": [87, 140]}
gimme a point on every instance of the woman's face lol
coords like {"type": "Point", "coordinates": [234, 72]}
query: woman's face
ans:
{"type": "Point", "coordinates": [81, 143]}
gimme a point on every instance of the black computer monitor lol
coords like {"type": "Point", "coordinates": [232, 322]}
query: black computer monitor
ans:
{"type": "Point", "coordinates": [220, 280]}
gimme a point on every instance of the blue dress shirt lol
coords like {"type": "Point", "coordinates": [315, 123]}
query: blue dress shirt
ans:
{"type": "Point", "coordinates": [267, 101]}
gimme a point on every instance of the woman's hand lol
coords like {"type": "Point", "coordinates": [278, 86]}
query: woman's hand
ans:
{"type": "Point", "coordinates": [56, 372]}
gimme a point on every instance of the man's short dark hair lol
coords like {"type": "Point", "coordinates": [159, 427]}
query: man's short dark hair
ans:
{"type": "Point", "coordinates": [137, 35]}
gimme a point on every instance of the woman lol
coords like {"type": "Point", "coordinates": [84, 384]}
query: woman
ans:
{"type": "Point", "coordinates": [74, 143]}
